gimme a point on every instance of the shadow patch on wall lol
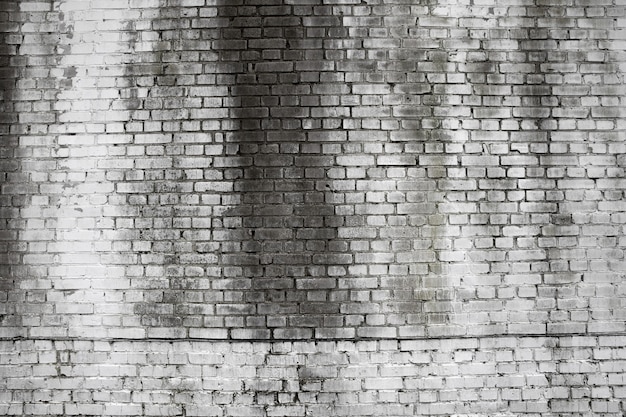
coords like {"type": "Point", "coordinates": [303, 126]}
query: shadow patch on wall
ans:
{"type": "Point", "coordinates": [152, 194]}
{"type": "Point", "coordinates": [549, 203]}
{"type": "Point", "coordinates": [11, 199]}
{"type": "Point", "coordinates": [280, 242]}
{"type": "Point", "coordinates": [242, 236]}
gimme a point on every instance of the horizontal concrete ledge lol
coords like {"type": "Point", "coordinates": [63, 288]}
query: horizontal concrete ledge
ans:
{"type": "Point", "coordinates": [314, 340]}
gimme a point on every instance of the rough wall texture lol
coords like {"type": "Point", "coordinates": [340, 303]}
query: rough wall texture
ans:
{"type": "Point", "coordinates": [504, 376]}
{"type": "Point", "coordinates": [296, 193]}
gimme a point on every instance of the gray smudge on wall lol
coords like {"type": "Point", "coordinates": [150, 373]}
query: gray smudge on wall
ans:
{"type": "Point", "coordinates": [544, 209]}
{"type": "Point", "coordinates": [153, 93]}
{"type": "Point", "coordinates": [10, 203]}
{"type": "Point", "coordinates": [266, 221]}
{"type": "Point", "coordinates": [281, 242]}
{"type": "Point", "coordinates": [248, 222]}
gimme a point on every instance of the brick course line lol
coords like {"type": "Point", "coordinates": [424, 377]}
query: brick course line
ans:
{"type": "Point", "coordinates": [348, 339]}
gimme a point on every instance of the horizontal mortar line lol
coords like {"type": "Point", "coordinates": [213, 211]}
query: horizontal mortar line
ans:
{"type": "Point", "coordinates": [308, 340]}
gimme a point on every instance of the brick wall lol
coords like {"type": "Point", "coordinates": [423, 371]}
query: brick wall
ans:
{"type": "Point", "coordinates": [510, 376]}
{"type": "Point", "coordinates": [437, 184]}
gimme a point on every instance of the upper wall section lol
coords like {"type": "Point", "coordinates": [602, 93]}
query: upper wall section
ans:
{"type": "Point", "coordinates": [331, 169]}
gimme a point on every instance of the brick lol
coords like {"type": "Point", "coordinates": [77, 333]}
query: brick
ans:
{"type": "Point", "coordinates": [355, 160]}
{"type": "Point", "coordinates": [396, 160]}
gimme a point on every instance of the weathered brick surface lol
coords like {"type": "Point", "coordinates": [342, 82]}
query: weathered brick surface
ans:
{"type": "Point", "coordinates": [565, 376]}
{"type": "Point", "coordinates": [260, 170]}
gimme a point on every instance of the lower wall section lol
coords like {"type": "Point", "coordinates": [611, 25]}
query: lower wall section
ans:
{"type": "Point", "coordinates": [564, 376]}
